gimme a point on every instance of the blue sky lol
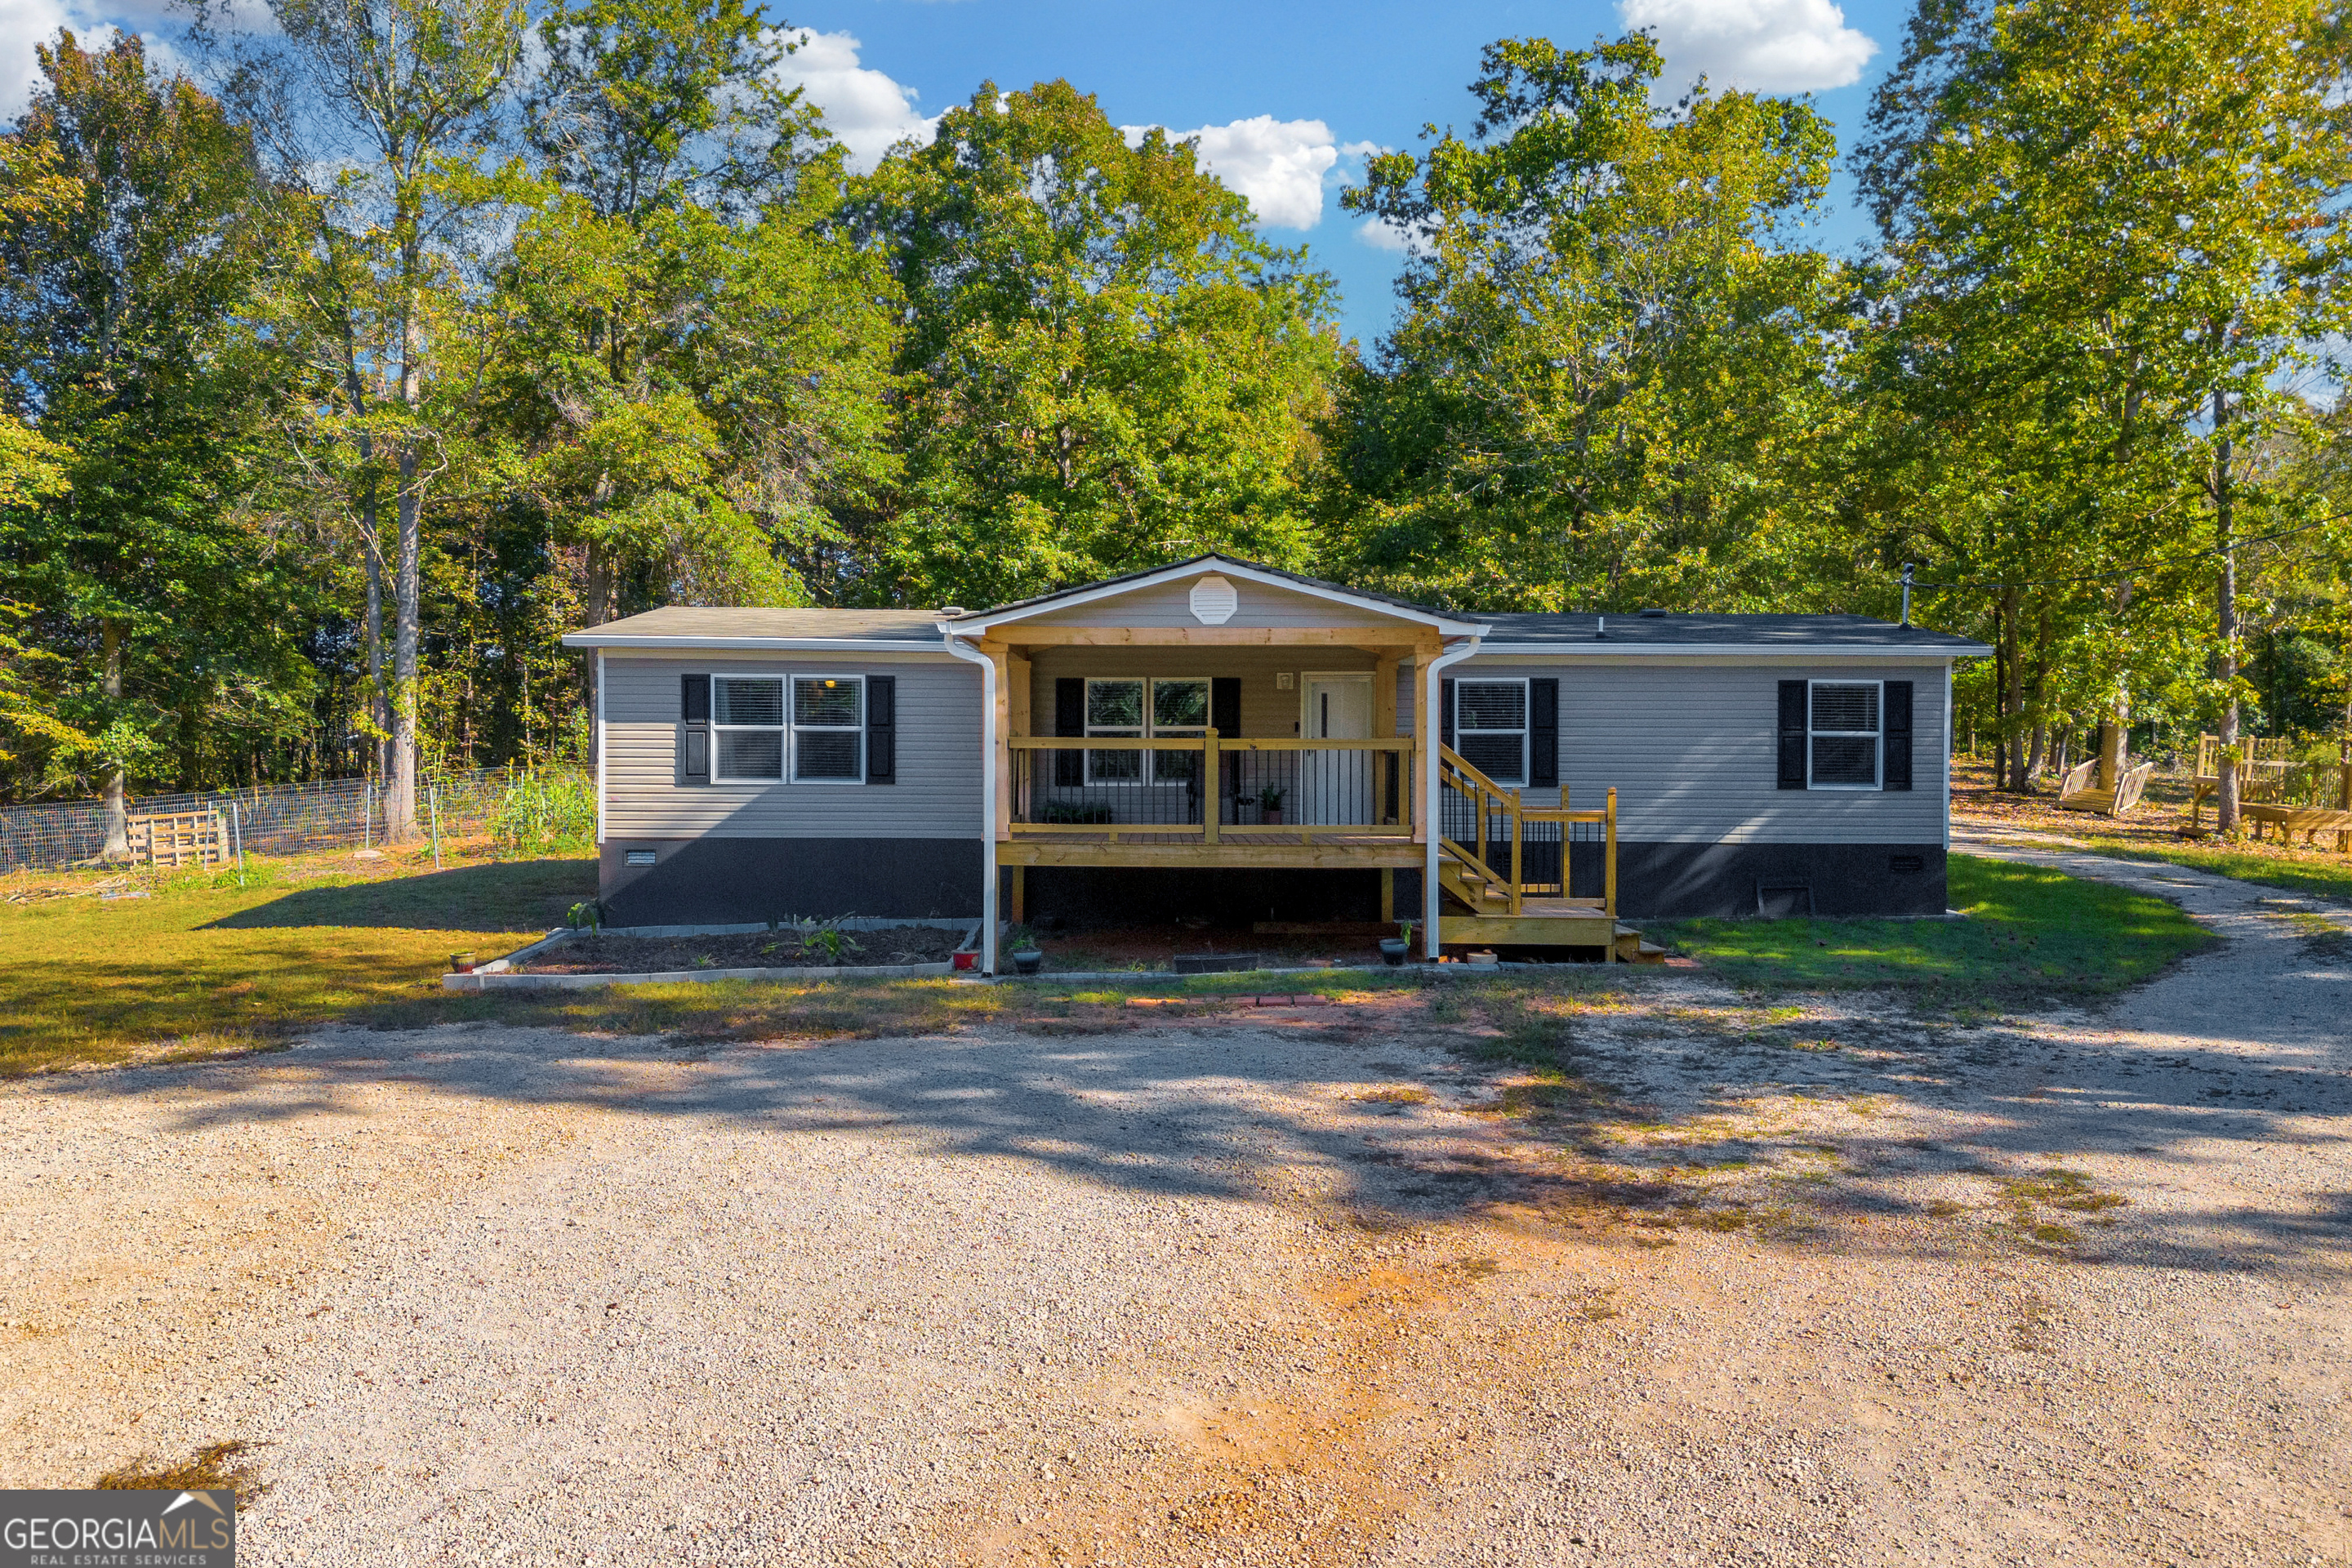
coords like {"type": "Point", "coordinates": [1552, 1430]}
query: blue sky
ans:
{"type": "Point", "coordinates": [1286, 96]}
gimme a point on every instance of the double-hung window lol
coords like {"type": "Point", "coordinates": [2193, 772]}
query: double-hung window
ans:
{"type": "Point", "coordinates": [828, 729]}
{"type": "Point", "coordinates": [1139, 708]}
{"type": "Point", "coordinates": [1841, 737]}
{"type": "Point", "coordinates": [746, 722]}
{"type": "Point", "coordinates": [1490, 728]}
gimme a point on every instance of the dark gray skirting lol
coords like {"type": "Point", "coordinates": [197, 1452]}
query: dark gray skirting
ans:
{"type": "Point", "coordinates": [736, 880]}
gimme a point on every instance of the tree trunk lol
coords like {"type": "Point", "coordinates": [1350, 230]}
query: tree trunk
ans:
{"type": "Point", "coordinates": [2012, 697]}
{"type": "Point", "coordinates": [2225, 806]}
{"type": "Point", "coordinates": [118, 805]}
{"type": "Point", "coordinates": [379, 709]}
{"type": "Point", "coordinates": [2113, 744]}
{"type": "Point", "coordinates": [400, 783]}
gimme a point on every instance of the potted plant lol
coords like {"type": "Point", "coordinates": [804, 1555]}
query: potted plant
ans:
{"type": "Point", "coordinates": [461, 962]}
{"type": "Point", "coordinates": [1026, 958]}
{"type": "Point", "coordinates": [1394, 948]}
{"type": "Point", "coordinates": [1269, 803]}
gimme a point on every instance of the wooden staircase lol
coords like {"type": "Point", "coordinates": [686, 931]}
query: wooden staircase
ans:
{"type": "Point", "coordinates": [1498, 906]}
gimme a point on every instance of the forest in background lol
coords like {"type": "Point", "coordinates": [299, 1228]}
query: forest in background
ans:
{"type": "Point", "coordinates": [346, 374]}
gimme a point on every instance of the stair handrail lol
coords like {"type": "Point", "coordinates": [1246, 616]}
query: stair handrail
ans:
{"type": "Point", "coordinates": [1511, 803]}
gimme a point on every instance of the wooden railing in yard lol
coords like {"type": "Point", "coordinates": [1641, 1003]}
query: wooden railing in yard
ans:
{"type": "Point", "coordinates": [1463, 789]}
{"type": "Point", "coordinates": [1098, 786]}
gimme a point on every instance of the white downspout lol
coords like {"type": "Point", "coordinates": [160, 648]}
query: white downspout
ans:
{"type": "Point", "coordinates": [599, 749]}
{"type": "Point", "coordinates": [970, 655]}
{"type": "Point", "coordinates": [1431, 825]}
{"type": "Point", "coordinates": [1947, 756]}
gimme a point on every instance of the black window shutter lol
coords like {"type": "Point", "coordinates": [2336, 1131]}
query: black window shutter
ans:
{"type": "Point", "coordinates": [1792, 734]}
{"type": "Point", "coordinates": [1543, 733]}
{"type": "Point", "coordinates": [694, 730]}
{"type": "Point", "coordinates": [1225, 706]}
{"type": "Point", "coordinates": [881, 729]}
{"type": "Point", "coordinates": [1069, 719]}
{"type": "Point", "coordinates": [1896, 711]}
{"type": "Point", "coordinates": [1445, 714]}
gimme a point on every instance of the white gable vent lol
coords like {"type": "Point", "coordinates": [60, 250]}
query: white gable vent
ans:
{"type": "Point", "coordinates": [1214, 601]}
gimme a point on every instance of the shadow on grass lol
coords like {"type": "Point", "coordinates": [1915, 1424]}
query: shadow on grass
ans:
{"type": "Point", "coordinates": [513, 895]}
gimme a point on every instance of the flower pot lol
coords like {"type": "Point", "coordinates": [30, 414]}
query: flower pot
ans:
{"type": "Point", "coordinates": [1393, 949]}
{"type": "Point", "coordinates": [964, 960]}
{"type": "Point", "coordinates": [461, 963]}
{"type": "Point", "coordinates": [1270, 815]}
{"type": "Point", "coordinates": [1028, 961]}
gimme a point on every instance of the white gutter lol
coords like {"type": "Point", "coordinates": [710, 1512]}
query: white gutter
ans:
{"type": "Point", "coordinates": [702, 641]}
{"type": "Point", "coordinates": [1604, 649]}
{"type": "Point", "coordinates": [988, 875]}
{"type": "Point", "coordinates": [1430, 824]}
{"type": "Point", "coordinates": [600, 748]}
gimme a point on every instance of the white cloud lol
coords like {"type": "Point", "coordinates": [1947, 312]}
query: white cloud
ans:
{"type": "Point", "coordinates": [1278, 164]}
{"type": "Point", "coordinates": [865, 109]}
{"type": "Point", "coordinates": [1763, 46]}
{"type": "Point", "coordinates": [25, 23]}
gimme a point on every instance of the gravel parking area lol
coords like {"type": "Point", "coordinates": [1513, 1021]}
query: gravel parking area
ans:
{"type": "Point", "coordinates": [1818, 1285]}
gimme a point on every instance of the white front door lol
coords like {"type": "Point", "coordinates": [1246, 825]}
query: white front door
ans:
{"type": "Point", "coordinates": [1336, 787]}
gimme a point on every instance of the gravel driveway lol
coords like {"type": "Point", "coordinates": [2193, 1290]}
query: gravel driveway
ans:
{"type": "Point", "coordinates": [1306, 1289]}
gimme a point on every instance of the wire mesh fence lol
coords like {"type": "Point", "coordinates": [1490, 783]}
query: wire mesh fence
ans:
{"type": "Point", "coordinates": [285, 819]}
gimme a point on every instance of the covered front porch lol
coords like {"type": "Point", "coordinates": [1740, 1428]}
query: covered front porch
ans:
{"type": "Point", "coordinates": [1146, 727]}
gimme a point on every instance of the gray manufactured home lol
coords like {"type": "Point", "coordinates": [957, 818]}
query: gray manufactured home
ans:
{"type": "Point", "coordinates": [1219, 739]}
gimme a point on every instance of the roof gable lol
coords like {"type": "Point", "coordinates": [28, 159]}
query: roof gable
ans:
{"type": "Point", "coordinates": [1265, 597]}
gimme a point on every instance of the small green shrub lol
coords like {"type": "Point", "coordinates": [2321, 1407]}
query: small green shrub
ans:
{"type": "Point", "coordinates": [545, 811]}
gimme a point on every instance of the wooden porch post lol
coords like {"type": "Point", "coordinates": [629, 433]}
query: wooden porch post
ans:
{"type": "Point", "coordinates": [1018, 689]}
{"type": "Point", "coordinates": [1423, 744]}
{"type": "Point", "coordinates": [1384, 728]}
{"type": "Point", "coordinates": [999, 654]}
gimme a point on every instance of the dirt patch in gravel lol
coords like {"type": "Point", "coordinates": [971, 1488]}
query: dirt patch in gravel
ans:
{"type": "Point", "coordinates": [1636, 1273]}
{"type": "Point", "coordinates": [786, 949]}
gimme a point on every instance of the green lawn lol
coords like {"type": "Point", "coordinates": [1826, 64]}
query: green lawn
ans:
{"type": "Point", "coordinates": [202, 965]}
{"type": "Point", "coordinates": [2320, 871]}
{"type": "Point", "coordinates": [205, 966]}
{"type": "Point", "coordinates": [2030, 936]}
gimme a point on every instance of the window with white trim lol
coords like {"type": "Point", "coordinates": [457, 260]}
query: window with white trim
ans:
{"type": "Point", "coordinates": [1134, 708]}
{"type": "Point", "coordinates": [1841, 736]}
{"type": "Point", "coordinates": [1490, 728]}
{"type": "Point", "coordinates": [747, 726]}
{"type": "Point", "coordinates": [828, 729]}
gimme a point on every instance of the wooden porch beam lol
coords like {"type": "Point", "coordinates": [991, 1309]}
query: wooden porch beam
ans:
{"type": "Point", "coordinates": [1210, 636]}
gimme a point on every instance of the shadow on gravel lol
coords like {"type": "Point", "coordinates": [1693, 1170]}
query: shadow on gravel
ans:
{"type": "Point", "coordinates": [1208, 1107]}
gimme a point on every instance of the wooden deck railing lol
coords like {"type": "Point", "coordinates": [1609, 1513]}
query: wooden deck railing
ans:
{"type": "Point", "coordinates": [1465, 793]}
{"type": "Point", "coordinates": [1098, 786]}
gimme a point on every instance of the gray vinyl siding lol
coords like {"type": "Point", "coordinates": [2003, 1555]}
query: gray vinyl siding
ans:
{"type": "Point", "coordinates": [1691, 747]}
{"type": "Point", "coordinates": [937, 794]}
{"type": "Point", "coordinates": [1171, 604]}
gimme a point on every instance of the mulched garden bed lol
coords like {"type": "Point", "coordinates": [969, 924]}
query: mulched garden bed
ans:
{"type": "Point", "coordinates": [752, 950]}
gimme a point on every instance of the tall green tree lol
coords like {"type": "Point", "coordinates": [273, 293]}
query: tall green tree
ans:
{"type": "Point", "coordinates": [1613, 352]}
{"type": "Point", "coordinates": [1111, 369]}
{"type": "Point", "coordinates": [2114, 233]}
{"type": "Point", "coordinates": [406, 100]}
{"type": "Point", "coordinates": [126, 294]}
{"type": "Point", "coordinates": [693, 359]}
